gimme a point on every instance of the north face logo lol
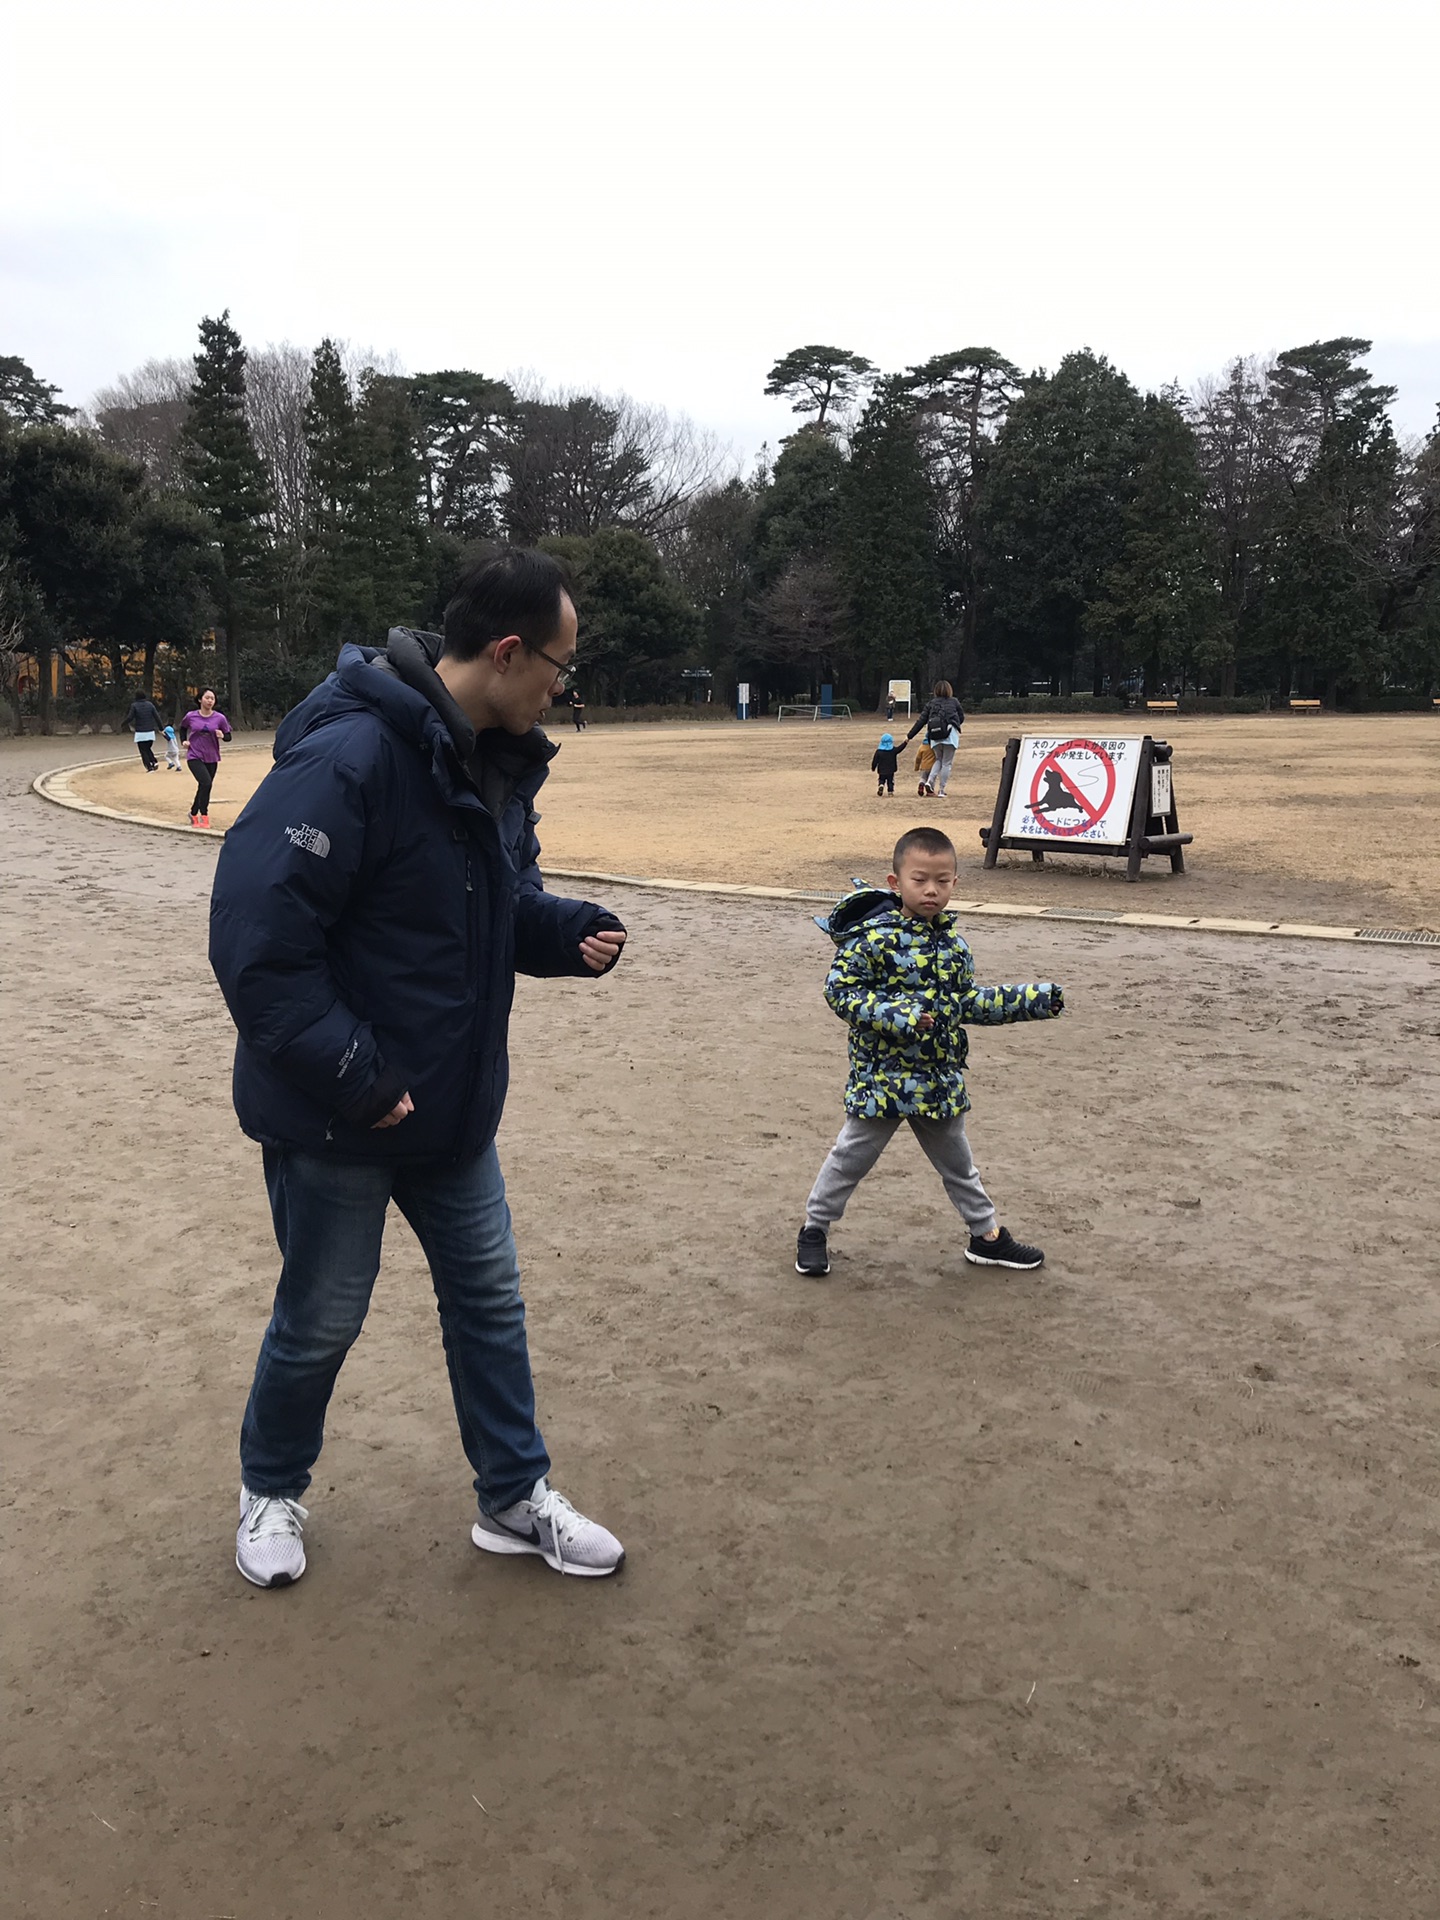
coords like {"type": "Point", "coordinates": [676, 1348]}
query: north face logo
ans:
{"type": "Point", "coordinates": [309, 840]}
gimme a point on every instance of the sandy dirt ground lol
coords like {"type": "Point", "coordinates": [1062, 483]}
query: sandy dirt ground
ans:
{"type": "Point", "coordinates": [1107, 1593]}
{"type": "Point", "coordinates": [1315, 819]}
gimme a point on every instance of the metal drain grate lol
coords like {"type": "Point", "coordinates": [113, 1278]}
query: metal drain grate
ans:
{"type": "Point", "coordinates": [1081, 913]}
{"type": "Point", "coordinates": [1406, 934]}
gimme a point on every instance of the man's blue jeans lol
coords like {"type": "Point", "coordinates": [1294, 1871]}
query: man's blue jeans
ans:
{"type": "Point", "coordinates": [329, 1220]}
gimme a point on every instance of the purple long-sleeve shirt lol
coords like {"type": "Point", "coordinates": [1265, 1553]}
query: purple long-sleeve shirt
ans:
{"type": "Point", "coordinates": [202, 733]}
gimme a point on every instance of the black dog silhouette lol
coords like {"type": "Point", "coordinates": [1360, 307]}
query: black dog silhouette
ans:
{"type": "Point", "coordinates": [1057, 797]}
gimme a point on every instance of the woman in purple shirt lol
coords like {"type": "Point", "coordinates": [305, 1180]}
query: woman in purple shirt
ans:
{"type": "Point", "coordinates": [203, 729]}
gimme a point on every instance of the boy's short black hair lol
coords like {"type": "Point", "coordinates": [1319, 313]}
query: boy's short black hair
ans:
{"type": "Point", "coordinates": [507, 590]}
{"type": "Point", "coordinates": [922, 840]}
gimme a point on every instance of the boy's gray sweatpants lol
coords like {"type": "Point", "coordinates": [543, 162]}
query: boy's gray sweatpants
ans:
{"type": "Point", "coordinates": [861, 1143]}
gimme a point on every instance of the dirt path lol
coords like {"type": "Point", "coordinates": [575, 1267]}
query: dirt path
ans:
{"type": "Point", "coordinates": [1323, 819]}
{"type": "Point", "coordinates": [1107, 1594]}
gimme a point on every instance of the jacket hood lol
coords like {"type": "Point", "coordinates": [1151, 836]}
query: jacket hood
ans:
{"type": "Point", "coordinates": [399, 682]}
{"type": "Point", "coordinates": [862, 908]}
{"type": "Point", "coordinates": [852, 910]}
{"type": "Point", "coordinates": [413, 654]}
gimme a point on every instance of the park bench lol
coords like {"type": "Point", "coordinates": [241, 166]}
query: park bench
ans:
{"type": "Point", "coordinates": [1305, 706]}
{"type": "Point", "coordinates": [1162, 706]}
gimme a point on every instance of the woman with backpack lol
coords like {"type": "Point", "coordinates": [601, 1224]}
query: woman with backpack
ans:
{"type": "Point", "coordinates": [144, 722]}
{"type": "Point", "coordinates": [942, 717]}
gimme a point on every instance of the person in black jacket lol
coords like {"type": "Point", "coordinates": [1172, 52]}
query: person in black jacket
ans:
{"type": "Point", "coordinates": [145, 722]}
{"type": "Point", "coordinates": [942, 718]}
{"type": "Point", "coordinates": [371, 906]}
{"type": "Point", "coordinates": [883, 763]}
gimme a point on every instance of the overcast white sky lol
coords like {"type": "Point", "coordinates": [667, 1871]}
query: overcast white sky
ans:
{"type": "Point", "coordinates": [665, 197]}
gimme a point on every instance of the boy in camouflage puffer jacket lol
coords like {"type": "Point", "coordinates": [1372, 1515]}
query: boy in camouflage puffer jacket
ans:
{"type": "Point", "coordinates": [904, 982]}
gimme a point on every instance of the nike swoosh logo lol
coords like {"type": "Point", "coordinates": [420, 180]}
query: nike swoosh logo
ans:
{"type": "Point", "coordinates": [533, 1536]}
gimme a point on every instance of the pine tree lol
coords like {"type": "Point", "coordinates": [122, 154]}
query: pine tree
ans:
{"type": "Point", "coordinates": [963, 399]}
{"type": "Point", "coordinates": [818, 380]}
{"type": "Point", "coordinates": [332, 445]}
{"type": "Point", "coordinates": [1159, 606]}
{"type": "Point", "coordinates": [1245, 491]}
{"type": "Point", "coordinates": [799, 512]}
{"type": "Point", "coordinates": [1052, 520]}
{"type": "Point", "coordinates": [887, 556]}
{"type": "Point", "coordinates": [27, 398]}
{"type": "Point", "coordinates": [228, 481]}
{"type": "Point", "coordinates": [391, 549]}
{"type": "Point", "coordinates": [1342, 464]}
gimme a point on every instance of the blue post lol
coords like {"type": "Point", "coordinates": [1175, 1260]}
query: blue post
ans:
{"type": "Point", "coordinates": [827, 701]}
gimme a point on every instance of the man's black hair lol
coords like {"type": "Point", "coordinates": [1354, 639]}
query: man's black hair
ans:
{"type": "Point", "coordinates": [921, 840]}
{"type": "Point", "coordinates": [508, 590]}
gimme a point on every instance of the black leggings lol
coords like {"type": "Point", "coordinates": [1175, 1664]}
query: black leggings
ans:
{"type": "Point", "coordinates": [204, 772]}
{"type": "Point", "coordinates": [147, 755]}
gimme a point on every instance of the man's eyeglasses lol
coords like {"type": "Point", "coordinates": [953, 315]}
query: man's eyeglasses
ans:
{"type": "Point", "coordinates": [564, 670]}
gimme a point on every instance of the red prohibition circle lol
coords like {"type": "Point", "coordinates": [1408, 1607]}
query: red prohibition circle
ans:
{"type": "Point", "coordinates": [1093, 815]}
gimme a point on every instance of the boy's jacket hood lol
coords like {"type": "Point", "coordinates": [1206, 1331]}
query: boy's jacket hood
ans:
{"type": "Point", "coordinates": [865, 905]}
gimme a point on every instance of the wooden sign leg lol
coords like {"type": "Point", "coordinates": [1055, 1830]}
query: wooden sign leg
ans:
{"type": "Point", "coordinates": [1139, 812]}
{"type": "Point", "coordinates": [1172, 825]}
{"type": "Point", "coordinates": [1002, 801]}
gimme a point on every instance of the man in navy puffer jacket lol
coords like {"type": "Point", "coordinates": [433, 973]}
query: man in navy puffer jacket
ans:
{"type": "Point", "coordinates": [371, 906]}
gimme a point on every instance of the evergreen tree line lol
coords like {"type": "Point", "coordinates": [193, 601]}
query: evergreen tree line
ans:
{"type": "Point", "coordinates": [244, 516]}
{"type": "Point", "coordinates": [1062, 532]}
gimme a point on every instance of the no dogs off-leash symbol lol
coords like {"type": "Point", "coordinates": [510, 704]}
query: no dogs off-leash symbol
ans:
{"type": "Point", "coordinates": [1072, 788]}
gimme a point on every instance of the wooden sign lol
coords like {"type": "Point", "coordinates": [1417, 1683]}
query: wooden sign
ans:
{"type": "Point", "coordinates": [1107, 795]}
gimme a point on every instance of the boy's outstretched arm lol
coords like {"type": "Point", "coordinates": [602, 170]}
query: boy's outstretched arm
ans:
{"type": "Point", "coordinates": [999, 1006]}
{"type": "Point", "coordinates": [852, 991]}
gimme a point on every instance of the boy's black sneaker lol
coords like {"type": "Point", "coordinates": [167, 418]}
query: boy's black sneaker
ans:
{"type": "Point", "coordinates": [1003, 1251]}
{"type": "Point", "coordinates": [812, 1255]}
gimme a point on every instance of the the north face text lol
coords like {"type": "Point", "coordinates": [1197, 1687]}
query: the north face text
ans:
{"type": "Point", "coordinates": [309, 840]}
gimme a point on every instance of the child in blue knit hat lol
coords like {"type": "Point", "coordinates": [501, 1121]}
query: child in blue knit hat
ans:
{"type": "Point", "coordinates": [887, 756]}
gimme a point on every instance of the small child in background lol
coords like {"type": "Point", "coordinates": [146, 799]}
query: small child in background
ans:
{"type": "Point", "coordinates": [172, 751]}
{"type": "Point", "coordinates": [924, 766]}
{"type": "Point", "coordinates": [887, 758]}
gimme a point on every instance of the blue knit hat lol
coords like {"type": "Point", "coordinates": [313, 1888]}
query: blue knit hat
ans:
{"type": "Point", "coordinates": [887, 739]}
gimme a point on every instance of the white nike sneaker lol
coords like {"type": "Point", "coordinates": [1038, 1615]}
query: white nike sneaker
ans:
{"type": "Point", "coordinates": [268, 1547]}
{"type": "Point", "coordinates": [547, 1524]}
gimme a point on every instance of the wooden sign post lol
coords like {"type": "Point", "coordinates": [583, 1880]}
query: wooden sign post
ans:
{"type": "Point", "coordinates": [1105, 796]}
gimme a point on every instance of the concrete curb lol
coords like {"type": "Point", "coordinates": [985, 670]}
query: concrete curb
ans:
{"type": "Point", "coordinates": [55, 785]}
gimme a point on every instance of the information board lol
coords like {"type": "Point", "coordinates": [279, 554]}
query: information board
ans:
{"type": "Point", "coordinates": [1074, 790]}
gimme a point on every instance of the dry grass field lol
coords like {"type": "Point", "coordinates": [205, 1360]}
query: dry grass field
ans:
{"type": "Point", "coordinates": [1323, 819]}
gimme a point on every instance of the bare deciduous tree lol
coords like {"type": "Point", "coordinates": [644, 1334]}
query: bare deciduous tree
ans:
{"type": "Point", "coordinates": [576, 462]}
{"type": "Point", "coordinates": [277, 386]}
{"type": "Point", "coordinates": [141, 415]}
{"type": "Point", "coordinates": [800, 620]}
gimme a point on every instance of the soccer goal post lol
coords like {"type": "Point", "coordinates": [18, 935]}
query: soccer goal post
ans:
{"type": "Point", "coordinates": [787, 710]}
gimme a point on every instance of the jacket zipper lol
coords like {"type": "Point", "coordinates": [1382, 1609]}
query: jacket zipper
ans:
{"type": "Point", "coordinates": [472, 962]}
